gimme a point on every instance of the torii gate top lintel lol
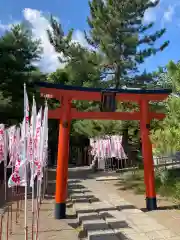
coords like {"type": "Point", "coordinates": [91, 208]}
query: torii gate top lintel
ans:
{"type": "Point", "coordinates": [94, 94]}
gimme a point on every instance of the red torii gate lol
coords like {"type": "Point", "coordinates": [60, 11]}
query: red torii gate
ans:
{"type": "Point", "coordinates": [65, 94]}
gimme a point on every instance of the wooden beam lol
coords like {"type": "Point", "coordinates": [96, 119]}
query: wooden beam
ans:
{"type": "Point", "coordinates": [159, 116]}
{"type": "Point", "coordinates": [132, 97]}
{"type": "Point", "coordinates": [57, 113]}
{"type": "Point", "coordinates": [106, 115]}
{"type": "Point", "coordinates": [96, 96]}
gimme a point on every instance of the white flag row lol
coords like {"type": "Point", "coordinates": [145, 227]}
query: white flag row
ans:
{"type": "Point", "coordinates": [26, 146]}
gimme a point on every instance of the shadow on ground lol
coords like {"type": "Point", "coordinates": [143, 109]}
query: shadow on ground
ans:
{"type": "Point", "coordinates": [83, 220]}
{"type": "Point", "coordinates": [163, 208]}
{"type": "Point", "coordinates": [135, 187]}
{"type": "Point", "coordinates": [87, 220]}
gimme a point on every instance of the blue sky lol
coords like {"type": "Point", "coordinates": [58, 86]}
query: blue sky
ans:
{"type": "Point", "coordinates": [73, 14]}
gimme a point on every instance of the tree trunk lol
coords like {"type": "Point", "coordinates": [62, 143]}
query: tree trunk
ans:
{"type": "Point", "coordinates": [117, 77]}
{"type": "Point", "coordinates": [125, 142]}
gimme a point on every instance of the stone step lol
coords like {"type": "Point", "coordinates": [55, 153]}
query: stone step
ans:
{"type": "Point", "coordinates": [77, 195]}
{"type": "Point", "coordinates": [102, 206]}
{"type": "Point", "coordinates": [71, 191]}
{"type": "Point", "coordinates": [102, 235]}
{"type": "Point", "coordinates": [94, 225]}
{"type": "Point", "coordinates": [83, 208]}
{"type": "Point", "coordinates": [80, 200]}
{"type": "Point", "coordinates": [113, 214]}
{"type": "Point", "coordinates": [87, 216]}
{"type": "Point", "coordinates": [114, 223]}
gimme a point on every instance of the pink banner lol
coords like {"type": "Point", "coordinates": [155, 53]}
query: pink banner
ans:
{"type": "Point", "coordinates": [108, 147]}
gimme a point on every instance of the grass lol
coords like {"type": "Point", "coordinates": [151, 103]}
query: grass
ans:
{"type": "Point", "coordinates": [134, 182]}
{"type": "Point", "coordinates": [167, 183]}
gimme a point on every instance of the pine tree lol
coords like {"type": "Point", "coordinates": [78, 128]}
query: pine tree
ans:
{"type": "Point", "coordinates": [18, 53]}
{"type": "Point", "coordinates": [81, 65]}
{"type": "Point", "coordinates": [118, 31]}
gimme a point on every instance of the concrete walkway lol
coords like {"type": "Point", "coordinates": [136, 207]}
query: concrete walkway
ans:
{"type": "Point", "coordinates": [103, 214]}
{"type": "Point", "coordinates": [167, 214]}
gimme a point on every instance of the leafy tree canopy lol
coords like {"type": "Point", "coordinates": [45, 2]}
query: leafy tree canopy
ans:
{"type": "Point", "coordinates": [118, 31]}
{"type": "Point", "coordinates": [167, 137]}
{"type": "Point", "coordinates": [18, 55]}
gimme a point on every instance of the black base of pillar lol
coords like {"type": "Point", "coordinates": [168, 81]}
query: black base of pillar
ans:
{"type": "Point", "coordinates": [151, 204]}
{"type": "Point", "coordinates": [60, 210]}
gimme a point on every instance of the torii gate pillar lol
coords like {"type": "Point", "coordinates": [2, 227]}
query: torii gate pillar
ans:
{"type": "Point", "coordinates": [147, 157]}
{"type": "Point", "coordinates": [62, 160]}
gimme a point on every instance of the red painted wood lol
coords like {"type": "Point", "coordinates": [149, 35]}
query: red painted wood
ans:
{"type": "Point", "coordinates": [63, 153]}
{"type": "Point", "coordinates": [106, 116]}
{"type": "Point", "coordinates": [147, 151]}
{"type": "Point", "coordinates": [67, 113]}
{"type": "Point", "coordinates": [96, 96]}
{"type": "Point", "coordinates": [57, 114]}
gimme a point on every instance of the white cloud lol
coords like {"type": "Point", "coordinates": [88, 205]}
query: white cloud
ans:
{"type": "Point", "coordinates": [40, 24]}
{"type": "Point", "coordinates": [169, 13]}
{"type": "Point", "coordinates": [150, 15]}
{"type": "Point", "coordinates": [6, 27]}
{"type": "Point", "coordinates": [3, 27]}
{"type": "Point", "coordinates": [49, 61]}
{"type": "Point", "coordinates": [164, 12]}
{"type": "Point", "coordinates": [78, 37]}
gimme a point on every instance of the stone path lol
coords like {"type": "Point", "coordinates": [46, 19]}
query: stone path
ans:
{"type": "Point", "coordinates": [167, 214]}
{"type": "Point", "coordinates": [103, 214]}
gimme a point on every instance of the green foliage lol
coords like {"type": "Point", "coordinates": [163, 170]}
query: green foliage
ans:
{"type": "Point", "coordinates": [94, 128]}
{"type": "Point", "coordinates": [82, 69]}
{"type": "Point", "coordinates": [59, 76]}
{"type": "Point", "coordinates": [117, 30]}
{"type": "Point", "coordinates": [166, 182]}
{"type": "Point", "coordinates": [117, 43]}
{"type": "Point", "coordinates": [82, 65]}
{"type": "Point", "coordinates": [167, 137]}
{"type": "Point", "coordinates": [18, 52]}
{"type": "Point", "coordinates": [60, 41]}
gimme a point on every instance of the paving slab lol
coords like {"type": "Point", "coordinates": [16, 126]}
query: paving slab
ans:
{"type": "Point", "coordinates": [79, 191]}
{"type": "Point", "coordinates": [166, 233]}
{"type": "Point", "coordinates": [127, 219]}
{"type": "Point", "coordinates": [102, 206]}
{"type": "Point", "coordinates": [125, 232]}
{"type": "Point", "coordinates": [113, 214]}
{"type": "Point", "coordinates": [102, 235]}
{"type": "Point", "coordinates": [137, 236]}
{"type": "Point", "coordinates": [140, 219]}
{"type": "Point", "coordinates": [116, 224]}
{"type": "Point", "coordinates": [77, 195]}
{"type": "Point", "coordinates": [149, 228]}
{"type": "Point", "coordinates": [87, 216]}
{"type": "Point", "coordinates": [174, 238]}
{"type": "Point", "coordinates": [96, 224]}
{"type": "Point", "coordinates": [108, 178]}
{"type": "Point", "coordinates": [83, 207]}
